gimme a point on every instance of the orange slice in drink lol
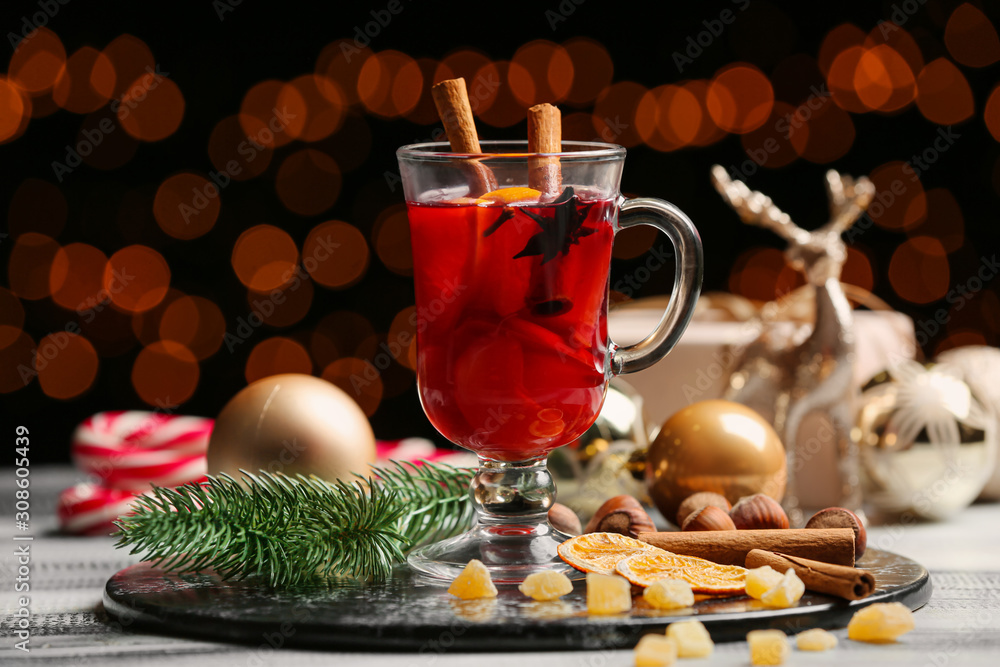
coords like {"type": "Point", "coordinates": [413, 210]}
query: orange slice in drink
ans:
{"type": "Point", "coordinates": [643, 568]}
{"type": "Point", "coordinates": [510, 196]}
{"type": "Point", "coordinates": [600, 552]}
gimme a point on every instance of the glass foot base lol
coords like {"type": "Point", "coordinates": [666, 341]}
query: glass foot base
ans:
{"type": "Point", "coordinates": [509, 551]}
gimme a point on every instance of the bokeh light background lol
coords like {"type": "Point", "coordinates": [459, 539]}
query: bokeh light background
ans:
{"type": "Point", "coordinates": [196, 200]}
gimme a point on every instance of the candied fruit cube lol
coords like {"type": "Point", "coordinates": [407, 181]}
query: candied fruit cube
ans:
{"type": "Point", "coordinates": [693, 640]}
{"type": "Point", "coordinates": [547, 585]}
{"type": "Point", "coordinates": [474, 582]}
{"type": "Point", "coordinates": [816, 639]}
{"type": "Point", "coordinates": [880, 622]}
{"type": "Point", "coordinates": [669, 594]}
{"type": "Point", "coordinates": [608, 594]}
{"type": "Point", "coordinates": [788, 591]}
{"type": "Point", "coordinates": [761, 579]}
{"type": "Point", "coordinates": [655, 651]}
{"type": "Point", "coordinates": [768, 647]}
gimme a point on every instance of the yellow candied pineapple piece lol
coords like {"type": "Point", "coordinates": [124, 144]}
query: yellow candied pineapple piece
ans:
{"type": "Point", "coordinates": [547, 585]}
{"type": "Point", "coordinates": [655, 651]}
{"type": "Point", "coordinates": [693, 640]}
{"type": "Point", "coordinates": [669, 594]}
{"type": "Point", "coordinates": [880, 622]}
{"type": "Point", "coordinates": [768, 647]}
{"type": "Point", "coordinates": [788, 591]}
{"type": "Point", "coordinates": [474, 582]}
{"type": "Point", "coordinates": [816, 639]}
{"type": "Point", "coordinates": [761, 579]}
{"type": "Point", "coordinates": [608, 594]}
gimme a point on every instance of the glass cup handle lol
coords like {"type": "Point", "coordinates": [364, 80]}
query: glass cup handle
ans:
{"type": "Point", "coordinates": [687, 281]}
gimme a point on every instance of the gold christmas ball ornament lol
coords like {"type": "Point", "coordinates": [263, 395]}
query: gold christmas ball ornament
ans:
{"type": "Point", "coordinates": [718, 446]}
{"type": "Point", "coordinates": [927, 445]}
{"type": "Point", "coordinates": [290, 424]}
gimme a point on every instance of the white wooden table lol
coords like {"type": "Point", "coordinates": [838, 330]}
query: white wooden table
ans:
{"type": "Point", "coordinates": [960, 625]}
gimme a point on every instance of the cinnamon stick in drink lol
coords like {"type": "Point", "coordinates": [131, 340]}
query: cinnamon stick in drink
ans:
{"type": "Point", "coordinates": [730, 547]}
{"type": "Point", "coordinates": [544, 136]}
{"type": "Point", "coordinates": [849, 583]}
{"type": "Point", "coordinates": [452, 101]}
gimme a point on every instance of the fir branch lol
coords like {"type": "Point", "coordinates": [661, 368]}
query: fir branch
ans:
{"type": "Point", "coordinates": [290, 530]}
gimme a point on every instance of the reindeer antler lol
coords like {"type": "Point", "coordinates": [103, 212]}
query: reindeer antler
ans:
{"type": "Point", "coordinates": [848, 199]}
{"type": "Point", "coordinates": [754, 207]}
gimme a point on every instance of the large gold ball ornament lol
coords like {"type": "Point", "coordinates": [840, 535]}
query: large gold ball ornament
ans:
{"type": "Point", "coordinates": [290, 424]}
{"type": "Point", "coordinates": [718, 446]}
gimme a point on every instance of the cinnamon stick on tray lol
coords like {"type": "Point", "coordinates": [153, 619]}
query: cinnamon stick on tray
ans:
{"type": "Point", "coordinates": [730, 547]}
{"type": "Point", "coordinates": [849, 583]}
{"type": "Point", "coordinates": [544, 136]}
{"type": "Point", "coordinates": [452, 101]}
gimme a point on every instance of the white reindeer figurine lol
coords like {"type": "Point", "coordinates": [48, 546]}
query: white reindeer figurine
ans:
{"type": "Point", "coordinates": [806, 379]}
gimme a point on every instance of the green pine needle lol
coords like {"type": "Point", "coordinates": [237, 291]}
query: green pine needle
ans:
{"type": "Point", "coordinates": [291, 530]}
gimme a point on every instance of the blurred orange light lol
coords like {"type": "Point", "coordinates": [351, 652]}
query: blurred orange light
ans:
{"type": "Point", "coordinates": [900, 41]}
{"type": "Point", "coordinates": [384, 89]}
{"type": "Point", "coordinates": [858, 269]}
{"type": "Point", "coordinates": [403, 332]}
{"type": "Point", "coordinates": [943, 93]}
{"type": "Point", "coordinates": [265, 258]}
{"type": "Point", "coordinates": [756, 273]}
{"type": "Point", "coordinates": [86, 82]}
{"type": "Point", "coordinates": [234, 153]}
{"type": "Point", "coordinates": [165, 374]}
{"type": "Point", "coordinates": [592, 68]}
{"type": "Point", "coordinates": [391, 238]}
{"type": "Point", "coordinates": [342, 334]}
{"type": "Point", "coordinates": [136, 278]}
{"type": "Point", "coordinates": [938, 215]}
{"type": "Point", "coordinates": [549, 70]}
{"type": "Point", "coordinates": [840, 79]}
{"type": "Point", "coordinates": [273, 113]}
{"type": "Point", "coordinates": [837, 41]}
{"type": "Point", "coordinates": [152, 108]}
{"type": "Point", "coordinates": [324, 112]}
{"type": "Point", "coordinates": [37, 206]}
{"type": "Point", "coordinates": [194, 322]}
{"type": "Point", "coordinates": [16, 359]}
{"type": "Point", "coordinates": [275, 356]}
{"type": "Point", "coordinates": [308, 182]}
{"type": "Point", "coordinates": [918, 270]}
{"type": "Point", "coordinates": [614, 116]}
{"type": "Point", "coordinates": [15, 110]}
{"type": "Point", "coordinates": [491, 96]}
{"type": "Point", "coordinates": [970, 37]}
{"type": "Point", "coordinates": [29, 265]}
{"type": "Point", "coordinates": [359, 379]}
{"type": "Point", "coordinates": [883, 80]}
{"type": "Point", "coordinates": [708, 131]}
{"type": "Point", "coordinates": [465, 63]}
{"type": "Point", "coordinates": [146, 324]}
{"type": "Point", "coordinates": [668, 117]}
{"type": "Point", "coordinates": [76, 277]}
{"type": "Point", "coordinates": [897, 186]}
{"type": "Point", "coordinates": [740, 98]}
{"type": "Point", "coordinates": [186, 205]}
{"type": "Point", "coordinates": [284, 306]}
{"type": "Point", "coordinates": [66, 365]}
{"type": "Point", "coordinates": [131, 59]}
{"type": "Point", "coordinates": [991, 114]}
{"type": "Point", "coordinates": [36, 62]}
{"type": "Point", "coordinates": [423, 112]}
{"type": "Point", "coordinates": [830, 132]}
{"type": "Point", "coordinates": [341, 61]}
{"type": "Point", "coordinates": [335, 254]}
{"type": "Point", "coordinates": [773, 144]}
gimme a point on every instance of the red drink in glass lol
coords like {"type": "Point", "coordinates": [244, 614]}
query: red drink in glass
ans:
{"type": "Point", "coordinates": [512, 351]}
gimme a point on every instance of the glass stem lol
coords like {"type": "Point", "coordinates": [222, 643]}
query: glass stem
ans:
{"type": "Point", "coordinates": [518, 492]}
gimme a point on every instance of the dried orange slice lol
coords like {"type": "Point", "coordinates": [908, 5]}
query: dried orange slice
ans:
{"type": "Point", "coordinates": [600, 552]}
{"type": "Point", "coordinates": [643, 568]}
{"type": "Point", "coordinates": [510, 196]}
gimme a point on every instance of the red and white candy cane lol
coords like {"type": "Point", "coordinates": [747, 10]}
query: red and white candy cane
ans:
{"type": "Point", "coordinates": [416, 450]}
{"type": "Point", "coordinates": [89, 509]}
{"type": "Point", "coordinates": [133, 450]}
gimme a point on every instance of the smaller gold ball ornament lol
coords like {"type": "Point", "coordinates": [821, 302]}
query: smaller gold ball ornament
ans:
{"type": "Point", "coordinates": [292, 423]}
{"type": "Point", "coordinates": [718, 446]}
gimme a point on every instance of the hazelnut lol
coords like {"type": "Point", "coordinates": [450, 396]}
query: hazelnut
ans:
{"type": "Point", "coordinates": [709, 517]}
{"type": "Point", "coordinates": [623, 515]}
{"type": "Point", "coordinates": [699, 500]}
{"type": "Point", "coordinates": [758, 512]}
{"type": "Point", "coordinates": [564, 520]}
{"type": "Point", "coordinates": [838, 517]}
